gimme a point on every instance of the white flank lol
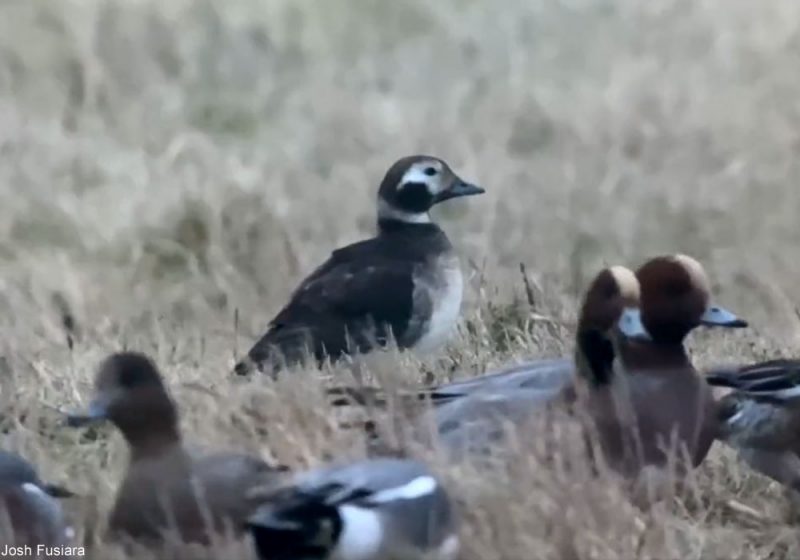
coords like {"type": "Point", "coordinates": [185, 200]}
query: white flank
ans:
{"type": "Point", "coordinates": [446, 310]}
{"type": "Point", "coordinates": [420, 486]}
{"type": "Point", "coordinates": [385, 210]}
{"type": "Point", "coordinates": [362, 534]}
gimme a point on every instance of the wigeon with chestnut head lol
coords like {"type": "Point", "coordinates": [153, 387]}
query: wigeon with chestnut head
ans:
{"type": "Point", "coordinates": [673, 406]}
{"type": "Point", "coordinates": [167, 491]}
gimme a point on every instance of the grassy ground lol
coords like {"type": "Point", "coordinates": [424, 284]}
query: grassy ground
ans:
{"type": "Point", "coordinates": [165, 164]}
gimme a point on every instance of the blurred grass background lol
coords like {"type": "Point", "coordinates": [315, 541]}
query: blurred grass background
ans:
{"type": "Point", "coordinates": [165, 164]}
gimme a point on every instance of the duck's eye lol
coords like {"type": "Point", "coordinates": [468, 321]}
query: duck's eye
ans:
{"type": "Point", "coordinates": [430, 171]}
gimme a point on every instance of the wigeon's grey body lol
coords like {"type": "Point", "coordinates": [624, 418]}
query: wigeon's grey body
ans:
{"type": "Point", "coordinates": [369, 510]}
{"type": "Point", "coordinates": [761, 417]}
{"type": "Point", "coordinates": [550, 376]}
{"type": "Point", "coordinates": [477, 416]}
{"type": "Point", "coordinates": [167, 490]}
{"type": "Point", "coordinates": [664, 406]}
{"type": "Point", "coordinates": [29, 513]}
{"type": "Point", "coordinates": [405, 284]}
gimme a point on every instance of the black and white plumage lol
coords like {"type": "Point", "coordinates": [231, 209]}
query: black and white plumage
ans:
{"type": "Point", "coordinates": [760, 418]}
{"type": "Point", "coordinates": [368, 510]}
{"type": "Point", "coordinates": [29, 513]}
{"type": "Point", "coordinates": [403, 284]}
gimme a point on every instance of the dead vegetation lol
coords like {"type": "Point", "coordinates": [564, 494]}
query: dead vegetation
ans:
{"type": "Point", "coordinates": [169, 170]}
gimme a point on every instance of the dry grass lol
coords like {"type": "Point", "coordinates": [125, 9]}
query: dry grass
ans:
{"type": "Point", "coordinates": [164, 164]}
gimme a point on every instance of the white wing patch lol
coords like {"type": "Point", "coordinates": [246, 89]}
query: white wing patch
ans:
{"type": "Point", "coordinates": [420, 486]}
{"type": "Point", "coordinates": [362, 534]}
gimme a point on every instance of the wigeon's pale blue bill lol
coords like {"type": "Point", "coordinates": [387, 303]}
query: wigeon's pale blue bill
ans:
{"type": "Point", "coordinates": [716, 316]}
{"type": "Point", "coordinates": [631, 326]}
{"type": "Point", "coordinates": [97, 412]}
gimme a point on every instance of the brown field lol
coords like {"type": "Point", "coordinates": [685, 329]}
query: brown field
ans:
{"type": "Point", "coordinates": [165, 164]}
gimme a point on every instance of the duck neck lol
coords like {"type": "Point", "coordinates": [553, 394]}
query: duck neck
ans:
{"type": "Point", "coordinates": [594, 356]}
{"type": "Point", "coordinates": [655, 355]}
{"type": "Point", "coordinates": [152, 442]}
{"type": "Point", "coordinates": [392, 219]}
{"type": "Point", "coordinates": [390, 225]}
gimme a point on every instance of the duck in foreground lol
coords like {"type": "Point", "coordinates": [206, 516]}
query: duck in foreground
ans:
{"type": "Point", "coordinates": [761, 417]}
{"type": "Point", "coordinates": [167, 490]}
{"type": "Point", "coordinates": [369, 510]}
{"type": "Point", "coordinates": [30, 515]}
{"type": "Point", "coordinates": [405, 284]}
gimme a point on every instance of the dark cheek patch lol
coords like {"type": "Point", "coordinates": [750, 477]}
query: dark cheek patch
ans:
{"type": "Point", "coordinates": [414, 197]}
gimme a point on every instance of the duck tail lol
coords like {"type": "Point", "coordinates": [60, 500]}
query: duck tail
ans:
{"type": "Point", "coordinates": [778, 380]}
{"type": "Point", "coordinates": [723, 378]}
{"type": "Point", "coordinates": [781, 389]}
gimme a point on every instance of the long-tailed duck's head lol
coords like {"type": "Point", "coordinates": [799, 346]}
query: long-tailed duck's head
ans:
{"type": "Point", "coordinates": [414, 184]}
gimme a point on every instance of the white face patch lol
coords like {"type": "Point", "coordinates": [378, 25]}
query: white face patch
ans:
{"type": "Point", "coordinates": [420, 486]}
{"type": "Point", "coordinates": [362, 534]}
{"type": "Point", "coordinates": [416, 174]}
